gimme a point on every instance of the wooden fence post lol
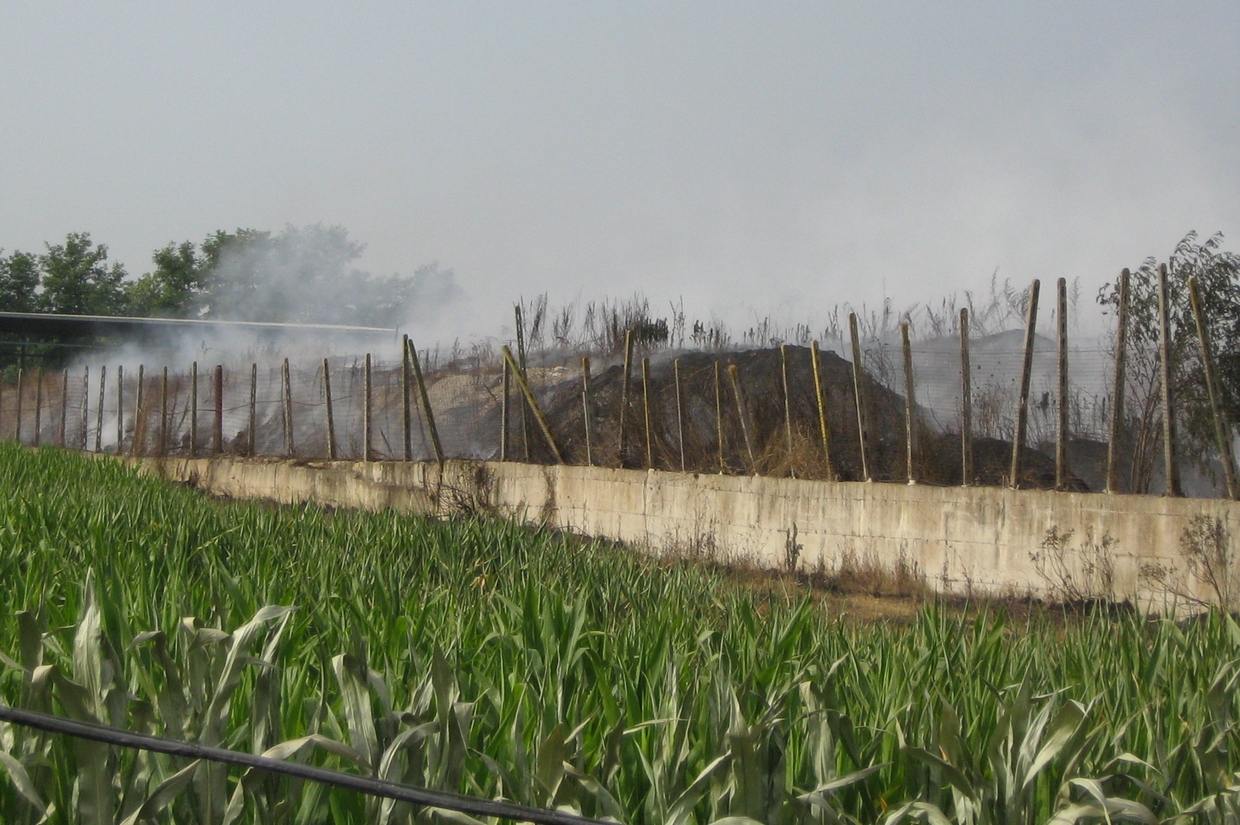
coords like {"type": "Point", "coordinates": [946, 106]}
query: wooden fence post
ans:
{"type": "Point", "coordinates": [103, 377]}
{"type": "Point", "coordinates": [120, 409]}
{"type": "Point", "coordinates": [504, 414]}
{"type": "Point", "coordinates": [330, 420]}
{"type": "Point", "coordinates": [783, 367]}
{"type": "Point", "coordinates": [859, 397]}
{"type": "Point", "coordinates": [218, 429]}
{"type": "Point", "coordinates": [624, 394]}
{"type": "Point", "coordinates": [738, 393]}
{"type": "Point", "coordinates": [680, 414]}
{"type": "Point", "coordinates": [406, 422]}
{"type": "Point", "coordinates": [286, 380]}
{"type": "Point", "coordinates": [427, 412]}
{"type": "Point", "coordinates": [366, 411]}
{"type": "Point", "coordinates": [85, 408]}
{"type": "Point", "coordinates": [193, 410]}
{"type": "Point", "coordinates": [17, 426]}
{"type": "Point", "coordinates": [723, 466]}
{"type": "Point", "coordinates": [586, 404]}
{"type": "Point", "coordinates": [138, 444]}
{"type": "Point", "coordinates": [1222, 427]}
{"type": "Point", "coordinates": [1117, 395]}
{"type": "Point", "coordinates": [910, 407]}
{"type": "Point", "coordinates": [38, 405]}
{"type": "Point", "coordinates": [533, 404]}
{"type": "Point", "coordinates": [1171, 465]}
{"type": "Point", "coordinates": [1026, 372]}
{"type": "Point", "coordinates": [1061, 423]}
{"type": "Point", "coordinates": [966, 404]}
{"type": "Point", "coordinates": [163, 413]}
{"type": "Point", "coordinates": [646, 413]}
{"type": "Point", "coordinates": [824, 429]}
{"type": "Point", "coordinates": [64, 408]}
{"type": "Point", "coordinates": [525, 423]}
{"type": "Point", "coordinates": [252, 441]}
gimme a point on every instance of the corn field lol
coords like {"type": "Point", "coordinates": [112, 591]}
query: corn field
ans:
{"type": "Point", "coordinates": [482, 657]}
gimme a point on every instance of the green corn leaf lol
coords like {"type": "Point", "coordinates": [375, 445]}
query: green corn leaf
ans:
{"type": "Point", "coordinates": [163, 795]}
{"type": "Point", "coordinates": [21, 781]}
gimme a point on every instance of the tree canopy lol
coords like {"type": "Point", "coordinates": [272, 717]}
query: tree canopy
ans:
{"type": "Point", "coordinates": [301, 274]}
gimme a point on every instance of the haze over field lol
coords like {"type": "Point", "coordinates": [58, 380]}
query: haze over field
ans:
{"type": "Point", "coordinates": [752, 158]}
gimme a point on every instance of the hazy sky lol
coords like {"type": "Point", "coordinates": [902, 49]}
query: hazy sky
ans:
{"type": "Point", "coordinates": [749, 157]}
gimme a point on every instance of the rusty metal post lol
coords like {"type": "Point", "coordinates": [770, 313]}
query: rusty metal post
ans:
{"type": "Point", "coordinates": [193, 410]}
{"type": "Point", "coordinates": [38, 405]}
{"type": "Point", "coordinates": [1061, 424]}
{"type": "Point", "coordinates": [103, 377]}
{"type": "Point", "coordinates": [85, 408]}
{"type": "Point", "coordinates": [1222, 427]}
{"type": "Point", "coordinates": [1026, 372]}
{"type": "Point", "coordinates": [120, 409]}
{"type": "Point", "coordinates": [163, 413]}
{"type": "Point", "coordinates": [859, 397]}
{"type": "Point", "coordinates": [138, 444]}
{"type": "Point", "coordinates": [824, 428]}
{"type": "Point", "coordinates": [217, 438]}
{"type": "Point", "coordinates": [910, 407]}
{"type": "Point", "coordinates": [286, 380]}
{"type": "Point", "coordinates": [966, 404]}
{"type": "Point", "coordinates": [17, 425]}
{"type": "Point", "coordinates": [64, 408]}
{"type": "Point", "coordinates": [330, 419]}
{"type": "Point", "coordinates": [367, 447]}
{"type": "Point", "coordinates": [1117, 394]}
{"type": "Point", "coordinates": [1171, 464]}
{"type": "Point", "coordinates": [252, 441]}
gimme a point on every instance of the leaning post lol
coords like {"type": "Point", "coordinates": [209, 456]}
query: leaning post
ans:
{"type": "Point", "coordinates": [1026, 373]}
{"type": "Point", "coordinates": [624, 392]}
{"type": "Point", "coordinates": [586, 404]}
{"type": "Point", "coordinates": [331, 422]}
{"type": "Point", "coordinates": [859, 397]}
{"type": "Point", "coordinates": [824, 429]}
{"type": "Point", "coordinates": [738, 393]}
{"type": "Point", "coordinates": [783, 368]}
{"type": "Point", "coordinates": [680, 413]}
{"type": "Point", "coordinates": [1222, 427]}
{"type": "Point", "coordinates": [646, 413]}
{"type": "Point", "coordinates": [427, 412]}
{"type": "Point", "coordinates": [533, 405]}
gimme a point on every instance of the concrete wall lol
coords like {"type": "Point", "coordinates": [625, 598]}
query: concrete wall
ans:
{"type": "Point", "coordinates": [981, 540]}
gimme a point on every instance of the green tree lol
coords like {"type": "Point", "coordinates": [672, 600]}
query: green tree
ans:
{"type": "Point", "coordinates": [174, 288]}
{"type": "Point", "coordinates": [1218, 280]}
{"type": "Point", "coordinates": [78, 280]}
{"type": "Point", "coordinates": [19, 282]}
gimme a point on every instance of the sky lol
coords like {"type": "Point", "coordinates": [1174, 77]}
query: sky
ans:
{"type": "Point", "coordinates": [748, 158]}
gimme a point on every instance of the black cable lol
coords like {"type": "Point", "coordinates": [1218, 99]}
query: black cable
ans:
{"type": "Point", "coordinates": [363, 784]}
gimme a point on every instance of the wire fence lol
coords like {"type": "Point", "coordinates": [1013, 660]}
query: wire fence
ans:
{"type": "Point", "coordinates": [684, 409]}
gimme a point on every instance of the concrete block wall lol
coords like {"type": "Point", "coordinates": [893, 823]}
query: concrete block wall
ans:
{"type": "Point", "coordinates": [977, 540]}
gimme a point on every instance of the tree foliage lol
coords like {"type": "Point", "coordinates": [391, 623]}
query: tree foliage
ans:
{"type": "Point", "coordinates": [1218, 281]}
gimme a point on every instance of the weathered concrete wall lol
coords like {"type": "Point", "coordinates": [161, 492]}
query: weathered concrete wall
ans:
{"type": "Point", "coordinates": [981, 540]}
